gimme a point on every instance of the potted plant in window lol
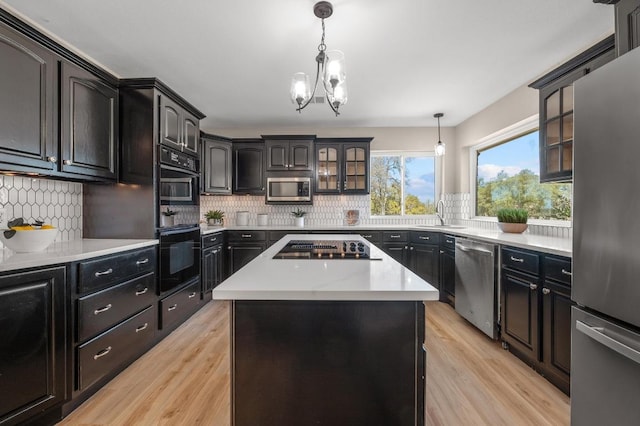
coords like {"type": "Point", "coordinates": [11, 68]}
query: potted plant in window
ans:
{"type": "Point", "coordinates": [298, 214]}
{"type": "Point", "coordinates": [214, 217]}
{"type": "Point", "coordinates": [512, 220]}
{"type": "Point", "coordinates": [167, 217]}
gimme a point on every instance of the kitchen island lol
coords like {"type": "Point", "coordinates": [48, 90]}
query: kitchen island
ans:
{"type": "Point", "coordinates": [327, 341]}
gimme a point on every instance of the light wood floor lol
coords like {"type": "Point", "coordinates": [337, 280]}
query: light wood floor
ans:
{"type": "Point", "coordinates": [184, 380]}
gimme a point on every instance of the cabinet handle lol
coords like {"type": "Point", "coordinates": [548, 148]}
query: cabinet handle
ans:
{"type": "Point", "coordinates": [368, 236]}
{"type": "Point", "coordinates": [411, 248]}
{"type": "Point", "coordinates": [422, 237]}
{"type": "Point", "coordinates": [565, 272]}
{"type": "Point", "coordinates": [107, 272]}
{"type": "Point", "coordinates": [192, 295]}
{"type": "Point", "coordinates": [138, 293]}
{"type": "Point", "coordinates": [516, 259]}
{"type": "Point", "coordinates": [406, 247]}
{"type": "Point", "coordinates": [67, 162]}
{"type": "Point", "coordinates": [101, 310]}
{"type": "Point", "coordinates": [215, 252]}
{"type": "Point", "coordinates": [449, 241]}
{"type": "Point", "coordinates": [102, 352]}
{"type": "Point", "coordinates": [394, 236]}
{"type": "Point", "coordinates": [441, 251]}
{"type": "Point", "coordinates": [228, 188]}
{"type": "Point", "coordinates": [545, 290]}
{"type": "Point", "coordinates": [142, 262]}
{"type": "Point", "coordinates": [172, 307]}
{"type": "Point", "coordinates": [142, 327]}
{"type": "Point", "coordinates": [52, 159]}
{"type": "Point", "coordinates": [245, 235]}
{"type": "Point", "coordinates": [533, 286]}
{"type": "Point", "coordinates": [211, 240]}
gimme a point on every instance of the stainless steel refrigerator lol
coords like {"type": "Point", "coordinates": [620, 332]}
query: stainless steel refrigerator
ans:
{"type": "Point", "coordinates": [605, 337]}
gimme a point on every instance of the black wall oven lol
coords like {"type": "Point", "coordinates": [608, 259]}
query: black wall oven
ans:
{"type": "Point", "coordinates": [179, 178]}
{"type": "Point", "coordinates": [179, 257]}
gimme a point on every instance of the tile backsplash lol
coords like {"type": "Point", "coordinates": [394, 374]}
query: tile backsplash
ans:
{"type": "Point", "coordinates": [55, 202]}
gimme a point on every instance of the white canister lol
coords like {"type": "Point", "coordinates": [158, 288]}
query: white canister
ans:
{"type": "Point", "coordinates": [263, 219]}
{"type": "Point", "coordinates": [242, 218]}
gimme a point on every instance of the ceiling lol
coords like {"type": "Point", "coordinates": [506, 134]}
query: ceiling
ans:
{"type": "Point", "coordinates": [406, 59]}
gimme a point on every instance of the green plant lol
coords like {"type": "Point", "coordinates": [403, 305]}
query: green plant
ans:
{"type": "Point", "coordinates": [506, 215]}
{"type": "Point", "coordinates": [214, 215]}
{"type": "Point", "coordinates": [298, 212]}
{"type": "Point", "coordinates": [169, 212]}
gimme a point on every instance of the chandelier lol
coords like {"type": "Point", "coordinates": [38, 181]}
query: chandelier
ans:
{"type": "Point", "coordinates": [330, 70]}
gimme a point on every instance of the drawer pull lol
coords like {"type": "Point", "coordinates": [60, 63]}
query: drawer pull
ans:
{"type": "Point", "coordinates": [172, 307]}
{"type": "Point", "coordinates": [245, 235]}
{"type": "Point", "coordinates": [107, 272]}
{"type": "Point", "coordinates": [565, 272]}
{"type": "Point", "coordinates": [142, 327]}
{"type": "Point", "coordinates": [449, 241]}
{"type": "Point", "coordinates": [394, 236]}
{"type": "Point", "coordinates": [533, 286]}
{"type": "Point", "coordinates": [516, 259]}
{"type": "Point", "coordinates": [424, 238]}
{"type": "Point", "coordinates": [545, 290]}
{"type": "Point", "coordinates": [211, 240]}
{"type": "Point", "coordinates": [192, 295]}
{"type": "Point", "coordinates": [102, 352]}
{"type": "Point", "coordinates": [142, 262]}
{"type": "Point", "coordinates": [368, 236]}
{"type": "Point", "coordinates": [101, 310]}
{"type": "Point", "coordinates": [138, 293]}
{"type": "Point", "coordinates": [441, 251]}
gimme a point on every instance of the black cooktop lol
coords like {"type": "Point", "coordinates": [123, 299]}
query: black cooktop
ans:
{"type": "Point", "coordinates": [324, 249]}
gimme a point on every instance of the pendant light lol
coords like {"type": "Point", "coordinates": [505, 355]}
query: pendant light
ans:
{"type": "Point", "coordinates": [330, 70]}
{"type": "Point", "coordinates": [440, 148]}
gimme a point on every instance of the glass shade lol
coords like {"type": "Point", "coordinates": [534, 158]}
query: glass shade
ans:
{"type": "Point", "coordinates": [334, 69]}
{"type": "Point", "coordinates": [300, 88]}
{"type": "Point", "coordinates": [440, 149]}
{"type": "Point", "coordinates": [339, 95]}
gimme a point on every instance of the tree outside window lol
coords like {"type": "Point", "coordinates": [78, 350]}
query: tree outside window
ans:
{"type": "Point", "coordinates": [402, 184]}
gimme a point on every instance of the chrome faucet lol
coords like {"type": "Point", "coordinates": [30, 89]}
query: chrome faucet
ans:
{"type": "Point", "coordinates": [440, 211]}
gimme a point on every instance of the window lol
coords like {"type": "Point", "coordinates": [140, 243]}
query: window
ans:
{"type": "Point", "coordinates": [402, 184]}
{"type": "Point", "coordinates": [507, 175]}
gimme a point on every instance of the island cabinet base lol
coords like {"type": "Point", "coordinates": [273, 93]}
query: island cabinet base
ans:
{"type": "Point", "coordinates": [328, 363]}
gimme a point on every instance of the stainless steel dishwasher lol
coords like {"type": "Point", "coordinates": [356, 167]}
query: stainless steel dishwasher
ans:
{"type": "Point", "coordinates": [476, 284]}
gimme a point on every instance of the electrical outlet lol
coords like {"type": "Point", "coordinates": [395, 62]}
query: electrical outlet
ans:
{"type": "Point", "coordinates": [3, 218]}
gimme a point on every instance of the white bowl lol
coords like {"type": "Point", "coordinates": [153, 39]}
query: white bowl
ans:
{"type": "Point", "coordinates": [29, 241]}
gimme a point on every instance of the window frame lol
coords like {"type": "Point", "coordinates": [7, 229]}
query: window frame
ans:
{"type": "Point", "coordinates": [401, 153]}
{"type": "Point", "coordinates": [528, 125]}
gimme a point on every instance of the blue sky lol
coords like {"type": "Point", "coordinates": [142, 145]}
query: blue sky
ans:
{"type": "Point", "coordinates": [512, 157]}
{"type": "Point", "coordinates": [421, 178]}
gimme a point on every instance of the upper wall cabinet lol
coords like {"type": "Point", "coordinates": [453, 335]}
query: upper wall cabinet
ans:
{"type": "Point", "coordinates": [215, 165]}
{"type": "Point", "coordinates": [556, 110]}
{"type": "Point", "coordinates": [627, 24]}
{"type": "Point", "coordinates": [342, 166]}
{"type": "Point", "coordinates": [248, 167]}
{"type": "Point", "coordinates": [179, 129]}
{"type": "Point", "coordinates": [289, 152]}
{"type": "Point", "coordinates": [29, 92]}
{"type": "Point", "coordinates": [89, 124]}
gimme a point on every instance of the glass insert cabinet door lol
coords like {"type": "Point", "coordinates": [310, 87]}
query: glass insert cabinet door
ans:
{"type": "Point", "coordinates": [328, 169]}
{"type": "Point", "coordinates": [558, 136]}
{"type": "Point", "coordinates": [355, 164]}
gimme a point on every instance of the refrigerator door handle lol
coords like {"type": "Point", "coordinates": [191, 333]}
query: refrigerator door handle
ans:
{"type": "Point", "coordinates": [597, 334]}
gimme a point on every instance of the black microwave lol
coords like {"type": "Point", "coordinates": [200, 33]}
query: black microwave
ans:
{"type": "Point", "coordinates": [288, 189]}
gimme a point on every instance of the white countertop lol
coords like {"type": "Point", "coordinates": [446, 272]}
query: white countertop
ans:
{"type": "Point", "coordinates": [265, 278]}
{"type": "Point", "coordinates": [68, 251]}
{"type": "Point", "coordinates": [551, 245]}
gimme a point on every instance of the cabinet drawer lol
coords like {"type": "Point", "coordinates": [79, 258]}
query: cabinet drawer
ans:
{"type": "Point", "coordinates": [374, 236]}
{"type": "Point", "coordinates": [395, 236]}
{"type": "Point", "coordinates": [103, 309]}
{"type": "Point", "coordinates": [104, 354]}
{"type": "Point", "coordinates": [521, 260]}
{"type": "Point", "coordinates": [276, 235]}
{"type": "Point", "coordinates": [100, 273]}
{"type": "Point", "coordinates": [179, 305]}
{"type": "Point", "coordinates": [558, 269]}
{"type": "Point", "coordinates": [211, 240]}
{"type": "Point", "coordinates": [425, 237]}
{"type": "Point", "coordinates": [448, 242]}
{"type": "Point", "coordinates": [247, 235]}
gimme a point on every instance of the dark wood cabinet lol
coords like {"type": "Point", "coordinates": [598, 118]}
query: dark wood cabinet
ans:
{"type": "Point", "coordinates": [424, 256]}
{"type": "Point", "coordinates": [28, 105]}
{"type": "Point", "coordinates": [342, 165]}
{"type": "Point", "coordinates": [556, 110]}
{"type": "Point", "coordinates": [216, 165]}
{"type": "Point", "coordinates": [290, 152]}
{"type": "Point", "coordinates": [33, 340]}
{"type": "Point", "coordinates": [248, 167]}
{"type": "Point", "coordinates": [179, 129]}
{"type": "Point", "coordinates": [89, 124]}
{"type": "Point", "coordinates": [177, 307]}
{"type": "Point", "coordinates": [520, 313]}
{"type": "Point", "coordinates": [213, 263]}
{"type": "Point", "coordinates": [243, 247]}
{"type": "Point", "coordinates": [448, 269]}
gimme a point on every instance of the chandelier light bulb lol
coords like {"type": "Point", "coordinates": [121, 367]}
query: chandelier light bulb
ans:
{"type": "Point", "coordinates": [300, 89]}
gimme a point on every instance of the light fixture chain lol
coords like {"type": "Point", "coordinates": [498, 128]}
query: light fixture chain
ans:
{"type": "Point", "coordinates": [322, 47]}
